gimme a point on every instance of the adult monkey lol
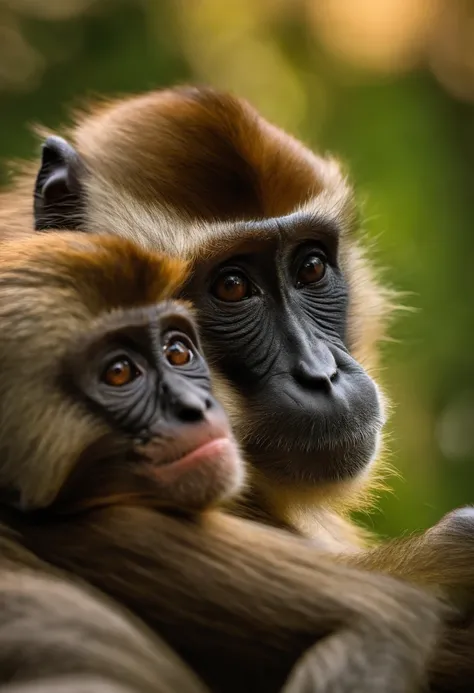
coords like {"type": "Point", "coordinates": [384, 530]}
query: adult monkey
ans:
{"type": "Point", "coordinates": [307, 414]}
{"type": "Point", "coordinates": [207, 159]}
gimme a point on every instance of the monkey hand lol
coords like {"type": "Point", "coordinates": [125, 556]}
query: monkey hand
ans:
{"type": "Point", "coordinates": [441, 559]}
{"type": "Point", "coordinates": [451, 545]}
{"type": "Point", "coordinates": [457, 524]}
{"type": "Point", "coordinates": [452, 540]}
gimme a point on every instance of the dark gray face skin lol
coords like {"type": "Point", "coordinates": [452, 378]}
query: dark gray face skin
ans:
{"type": "Point", "coordinates": [273, 321]}
{"type": "Point", "coordinates": [144, 373]}
{"type": "Point", "coordinates": [313, 413]}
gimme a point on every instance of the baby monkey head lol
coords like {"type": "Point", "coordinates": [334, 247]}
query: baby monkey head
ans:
{"type": "Point", "coordinates": [105, 396]}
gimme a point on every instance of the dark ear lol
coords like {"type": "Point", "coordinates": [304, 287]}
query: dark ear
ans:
{"type": "Point", "coordinates": [58, 196]}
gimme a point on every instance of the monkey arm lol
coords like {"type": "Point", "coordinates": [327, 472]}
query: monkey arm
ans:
{"type": "Point", "coordinates": [241, 603]}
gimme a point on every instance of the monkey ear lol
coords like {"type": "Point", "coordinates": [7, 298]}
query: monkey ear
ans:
{"type": "Point", "coordinates": [58, 197]}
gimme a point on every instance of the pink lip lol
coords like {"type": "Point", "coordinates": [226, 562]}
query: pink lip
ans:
{"type": "Point", "coordinates": [206, 451]}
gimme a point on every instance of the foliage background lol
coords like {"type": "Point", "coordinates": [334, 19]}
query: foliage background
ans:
{"type": "Point", "coordinates": [388, 85]}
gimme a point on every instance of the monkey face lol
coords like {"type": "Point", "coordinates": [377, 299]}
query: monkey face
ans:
{"type": "Point", "coordinates": [273, 313]}
{"type": "Point", "coordinates": [141, 371]}
{"type": "Point", "coordinates": [105, 396]}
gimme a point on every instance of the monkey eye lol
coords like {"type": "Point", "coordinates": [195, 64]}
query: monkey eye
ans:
{"type": "Point", "coordinates": [232, 286]}
{"type": "Point", "coordinates": [119, 372]}
{"type": "Point", "coordinates": [311, 270]}
{"type": "Point", "coordinates": [177, 351]}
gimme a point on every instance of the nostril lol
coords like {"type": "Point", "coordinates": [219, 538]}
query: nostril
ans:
{"type": "Point", "coordinates": [189, 407]}
{"type": "Point", "coordinates": [190, 414]}
{"type": "Point", "coordinates": [182, 402]}
{"type": "Point", "coordinates": [314, 377]}
{"type": "Point", "coordinates": [324, 383]}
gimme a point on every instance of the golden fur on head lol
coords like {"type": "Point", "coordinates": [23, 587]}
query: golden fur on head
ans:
{"type": "Point", "coordinates": [203, 152]}
{"type": "Point", "coordinates": [52, 288]}
{"type": "Point", "coordinates": [167, 167]}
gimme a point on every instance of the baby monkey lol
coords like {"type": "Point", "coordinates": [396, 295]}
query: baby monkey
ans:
{"type": "Point", "coordinates": [115, 387]}
{"type": "Point", "coordinates": [115, 454]}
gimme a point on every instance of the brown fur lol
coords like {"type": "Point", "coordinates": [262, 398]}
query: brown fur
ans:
{"type": "Point", "coordinates": [238, 601]}
{"type": "Point", "coordinates": [239, 165]}
{"type": "Point", "coordinates": [200, 155]}
{"type": "Point", "coordinates": [241, 602]}
{"type": "Point", "coordinates": [171, 170]}
{"type": "Point", "coordinates": [60, 637]}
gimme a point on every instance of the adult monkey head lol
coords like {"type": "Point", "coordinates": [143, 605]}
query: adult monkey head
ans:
{"type": "Point", "coordinates": [288, 304]}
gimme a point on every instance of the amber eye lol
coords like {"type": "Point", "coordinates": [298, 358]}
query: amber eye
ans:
{"type": "Point", "coordinates": [120, 372]}
{"type": "Point", "coordinates": [177, 352]}
{"type": "Point", "coordinates": [231, 286]}
{"type": "Point", "coordinates": [312, 270]}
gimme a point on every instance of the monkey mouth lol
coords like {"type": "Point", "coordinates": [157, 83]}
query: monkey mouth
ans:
{"type": "Point", "coordinates": [213, 449]}
{"type": "Point", "coordinates": [330, 463]}
{"type": "Point", "coordinates": [201, 470]}
{"type": "Point", "coordinates": [194, 448]}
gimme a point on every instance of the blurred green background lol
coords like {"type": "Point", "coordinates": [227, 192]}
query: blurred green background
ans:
{"type": "Point", "coordinates": [387, 85]}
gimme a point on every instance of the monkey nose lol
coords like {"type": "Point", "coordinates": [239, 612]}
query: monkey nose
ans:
{"type": "Point", "coordinates": [315, 367]}
{"type": "Point", "coordinates": [316, 374]}
{"type": "Point", "coordinates": [187, 406]}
